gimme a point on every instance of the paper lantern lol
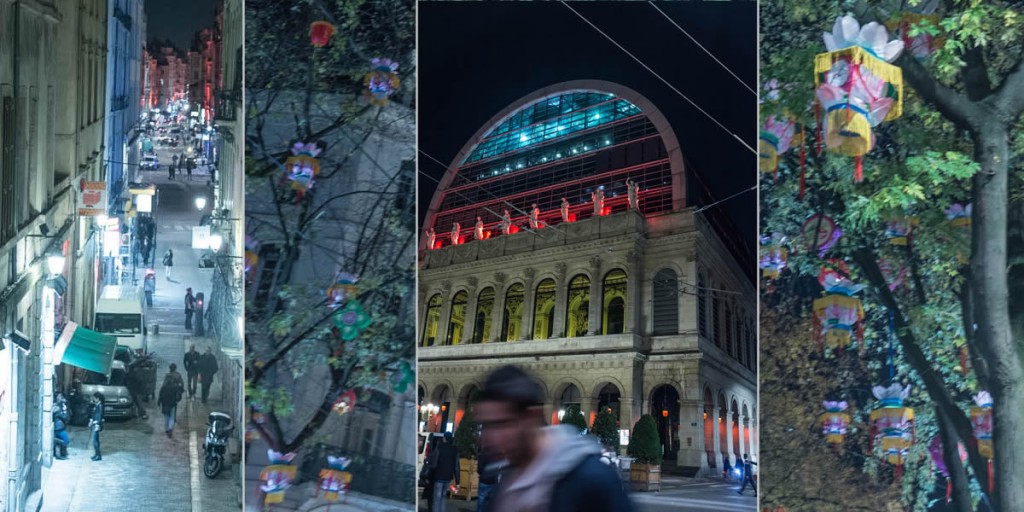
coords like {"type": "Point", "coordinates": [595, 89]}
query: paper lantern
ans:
{"type": "Point", "coordinates": [277, 477]}
{"type": "Point", "coordinates": [820, 233]}
{"type": "Point", "coordinates": [834, 422]}
{"type": "Point", "coordinates": [382, 81]}
{"type": "Point", "coordinates": [856, 86]}
{"type": "Point", "coordinates": [838, 315]}
{"type": "Point", "coordinates": [344, 287]}
{"type": "Point", "coordinates": [906, 17]}
{"type": "Point", "coordinates": [334, 482]}
{"type": "Point", "coordinates": [773, 255]}
{"type": "Point", "coordinates": [892, 424]}
{"type": "Point", "coordinates": [775, 139]}
{"type": "Point", "coordinates": [345, 402]}
{"type": "Point", "coordinates": [935, 450]}
{"type": "Point", "coordinates": [981, 424]}
{"type": "Point", "coordinates": [320, 33]}
{"type": "Point", "coordinates": [900, 230]}
{"type": "Point", "coordinates": [302, 167]}
{"type": "Point", "coordinates": [960, 217]}
{"type": "Point", "coordinates": [351, 320]}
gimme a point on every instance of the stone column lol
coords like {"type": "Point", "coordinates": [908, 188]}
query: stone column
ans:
{"type": "Point", "coordinates": [421, 307]}
{"type": "Point", "coordinates": [626, 411]}
{"type": "Point", "coordinates": [729, 439]}
{"type": "Point", "coordinates": [446, 311]}
{"type": "Point", "coordinates": [634, 282]}
{"type": "Point", "coordinates": [594, 315]}
{"type": "Point", "coordinates": [498, 313]}
{"type": "Point", "coordinates": [691, 433]}
{"type": "Point", "coordinates": [561, 300]}
{"type": "Point", "coordinates": [526, 325]}
{"type": "Point", "coordinates": [717, 425]}
{"type": "Point", "coordinates": [469, 324]}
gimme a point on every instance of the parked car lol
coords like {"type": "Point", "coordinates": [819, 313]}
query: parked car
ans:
{"type": "Point", "coordinates": [117, 401]}
{"type": "Point", "coordinates": [149, 162]}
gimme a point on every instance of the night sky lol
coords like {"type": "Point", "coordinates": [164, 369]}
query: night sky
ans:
{"type": "Point", "coordinates": [177, 20]}
{"type": "Point", "coordinates": [475, 58]}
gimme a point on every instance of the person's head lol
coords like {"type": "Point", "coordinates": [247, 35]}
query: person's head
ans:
{"type": "Point", "coordinates": [510, 411]}
{"type": "Point", "coordinates": [188, 290]}
{"type": "Point", "coordinates": [174, 367]}
{"type": "Point", "coordinates": [60, 398]}
{"type": "Point", "coordinates": [746, 456]}
{"type": "Point", "coordinates": [97, 397]}
{"type": "Point", "coordinates": [192, 348]}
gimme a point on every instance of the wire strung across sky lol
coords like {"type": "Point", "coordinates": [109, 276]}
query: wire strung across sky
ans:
{"type": "Point", "coordinates": [659, 77]}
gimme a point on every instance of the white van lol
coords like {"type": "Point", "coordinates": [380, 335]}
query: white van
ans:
{"type": "Point", "coordinates": [119, 312]}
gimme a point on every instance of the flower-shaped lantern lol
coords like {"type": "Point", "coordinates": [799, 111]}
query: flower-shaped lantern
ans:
{"type": "Point", "coordinates": [935, 449]}
{"type": "Point", "coordinates": [857, 87]}
{"type": "Point", "coordinates": [351, 319]}
{"type": "Point", "coordinates": [345, 402]}
{"type": "Point", "coordinates": [775, 139]}
{"type": "Point", "coordinates": [838, 313]}
{"type": "Point", "coordinates": [907, 18]}
{"type": "Point", "coordinates": [900, 230]}
{"type": "Point", "coordinates": [773, 255]}
{"type": "Point", "coordinates": [320, 33]}
{"type": "Point", "coordinates": [302, 167]}
{"type": "Point", "coordinates": [277, 477]}
{"type": "Point", "coordinates": [892, 424]}
{"type": "Point", "coordinates": [343, 288]}
{"type": "Point", "coordinates": [334, 480]}
{"type": "Point", "coordinates": [834, 422]}
{"type": "Point", "coordinates": [382, 81]}
{"type": "Point", "coordinates": [981, 423]}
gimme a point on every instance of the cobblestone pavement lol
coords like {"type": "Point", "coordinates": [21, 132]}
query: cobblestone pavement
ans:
{"type": "Point", "coordinates": [142, 470]}
{"type": "Point", "coordinates": [677, 493]}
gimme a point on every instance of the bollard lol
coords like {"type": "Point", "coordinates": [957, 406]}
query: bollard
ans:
{"type": "Point", "coordinates": [154, 329]}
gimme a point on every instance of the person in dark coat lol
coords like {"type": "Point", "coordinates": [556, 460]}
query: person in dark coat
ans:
{"type": "Point", "coordinates": [748, 475]}
{"type": "Point", "coordinates": [96, 423]}
{"type": "Point", "coordinates": [170, 395]}
{"type": "Point", "coordinates": [489, 467]}
{"type": "Point", "coordinates": [444, 467]}
{"type": "Point", "coordinates": [190, 307]}
{"type": "Point", "coordinates": [192, 369]}
{"type": "Point", "coordinates": [61, 416]}
{"type": "Point", "coordinates": [207, 369]}
{"type": "Point", "coordinates": [137, 388]}
{"type": "Point", "coordinates": [551, 468]}
{"type": "Point", "coordinates": [168, 263]}
{"type": "Point", "coordinates": [149, 286]}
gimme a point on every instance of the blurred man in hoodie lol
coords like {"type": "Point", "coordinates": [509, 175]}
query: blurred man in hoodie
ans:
{"type": "Point", "coordinates": [553, 469]}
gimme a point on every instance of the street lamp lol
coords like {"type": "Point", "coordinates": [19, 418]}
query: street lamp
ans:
{"type": "Point", "coordinates": [55, 263]}
{"type": "Point", "coordinates": [200, 202]}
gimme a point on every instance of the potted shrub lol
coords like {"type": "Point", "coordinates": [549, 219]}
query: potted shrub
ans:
{"type": "Point", "coordinates": [605, 429]}
{"type": "Point", "coordinates": [574, 416]}
{"type": "Point", "coordinates": [466, 444]}
{"type": "Point", "coordinates": [645, 447]}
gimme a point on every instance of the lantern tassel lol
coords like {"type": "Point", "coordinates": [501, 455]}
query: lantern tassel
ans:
{"type": "Point", "coordinates": [991, 477]}
{"type": "Point", "coordinates": [818, 128]}
{"type": "Point", "coordinates": [858, 172]}
{"type": "Point", "coordinates": [963, 360]}
{"type": "Point", "coordinates": [949, 490]}
{"type": "Point", "coordinates": [803, 161]}
{"type": "Point", "coordinates": [899, 472]}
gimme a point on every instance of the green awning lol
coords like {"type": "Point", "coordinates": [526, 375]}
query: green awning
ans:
{"type": "Point", "coordinates": [85, 348]}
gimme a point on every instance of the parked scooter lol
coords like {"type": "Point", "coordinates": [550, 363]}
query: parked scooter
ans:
{"type": "Point", "coordinates": [215, 446]}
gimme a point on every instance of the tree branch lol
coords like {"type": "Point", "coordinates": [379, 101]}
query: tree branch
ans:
{"type": "Point", "coordinates": [948, 102]}
{"type": "Point", "coordinates": [1009, 97]}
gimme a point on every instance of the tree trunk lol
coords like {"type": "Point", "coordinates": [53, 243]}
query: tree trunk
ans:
{"type": "Point", "coordinates": [951, 455]}
{"type": "Point", "coordinates": [990, 289]}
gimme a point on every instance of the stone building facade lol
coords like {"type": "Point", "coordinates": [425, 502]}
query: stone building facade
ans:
{"type": "Point", "coordinates": [634, 304]}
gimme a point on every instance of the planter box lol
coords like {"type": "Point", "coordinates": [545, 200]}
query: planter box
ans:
{"type": "Point", "coordinates": [469, 480]}
{"type": "Point", "coordinates": [645, 477]}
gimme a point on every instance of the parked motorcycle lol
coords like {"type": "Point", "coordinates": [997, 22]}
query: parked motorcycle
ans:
{"type": "Point", "coordinates": [215, 446]}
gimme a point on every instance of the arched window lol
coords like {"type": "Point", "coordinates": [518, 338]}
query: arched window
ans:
{"type": "Point", "coordinates": [513, 315]}
{"type": "Point", "coordinates": [702, 305]}
{"type": "Point", "coordinates": [484, 313]}
{"type": "Point", "coordinates": [431, 320]}
{"type": "Point", "coordinates": [614, 302]}
{"type": "Point", "coordinates": [578, 311]}
{"type": "Point", "coordinates": [457, 320]}
{"type": "Point", "coordinates": [544, 310]}
{"type": "Point", "coordinates": [666, 303]}
{"type": "Point", "coordinates": [571, 396]}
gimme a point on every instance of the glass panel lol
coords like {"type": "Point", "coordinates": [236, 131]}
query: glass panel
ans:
{"type": "Point", "coordinates": [578, 307]}
{"type": "Point", "coordinates": [614, 302]}
{"type": "Point", "coordinates": [543, 311]}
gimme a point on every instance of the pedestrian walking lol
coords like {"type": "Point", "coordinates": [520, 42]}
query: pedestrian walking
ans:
{"type": "Point", "coordinates": [192, 358]}
{"type": "Point", "coordinates": [191, 164]}
{"type": "Point", "coordinates": [444, 466]}
{"type": "Point", "coordinates": [207, 369]}
{"type": "Point", "coordinates": [550, 468]}
{"type": "Point", "coordinates": [170, 171]}
{"type": "Point", "coordinates": [136, 252]}
{"type": "Point", "coordinates": [190, 307]}
{"type": "Point", "coordinates": [170, 395]}
{"type": "Point", "coordinates": [136, 384]}
{"type": "Point", "coordinates": [175, 378]}
{"type": "Point", "coordinates": [145, 246]}
{"type": "Point", "coordinates": [168, 263]}
{"type": "Point", "coordinates": [748, 475]}
{"type": "Point", "coordinates": [96, 424]}
{"type": "Point", "coordinates": [61, 416]}
{"type": "Point", "coordinates": [149, 286]}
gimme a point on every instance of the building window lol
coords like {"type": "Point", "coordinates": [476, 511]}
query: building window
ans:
{"type": "Point", "coordinates": [512, 321]}
{"type": "Point", "coordinates": [614, 302]}
{"type": "Point", "coordinates": [484, 313]}
{"type": "Point", "coordinates": [577, 312]}
{"type": "Point", "coordinates": [457, 320]}
{"type": "Point", "coordinates": [702, 306]}
{"type": "Point", "coordinates": [544, 310]}
{"type": "Point", "coordinates": [570, 397]}
{"type": "Point", "coordinates": [716, 321]}
{"type": "Point", "coordinates": [665, 312]}
{"type": "Point", "coordinates": [728, 340]}
{"type": "Point", "coordinates": [740, 343]}
{"type": "Point", "coordinates": [432, 319]}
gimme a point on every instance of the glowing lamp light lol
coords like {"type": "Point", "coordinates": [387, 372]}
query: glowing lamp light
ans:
{"type": "Point", "coordinates": [320, 33]}
{"type": "Point", "coordinates": [216, 242]}
{"type": "Point", "coordinates": [444, 408]}
{"type": "Point", "coordinates": [561, 414]}
{"type": "Point", "coordinates": [664, 413]}
{"type": "Point", "coordinates": [55, 263]}
{"type": "Point", "coordinates": [200, 203]}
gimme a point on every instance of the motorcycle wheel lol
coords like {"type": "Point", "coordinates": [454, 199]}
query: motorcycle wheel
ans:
{"type": "Point", "coordinates": [212, 466]}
